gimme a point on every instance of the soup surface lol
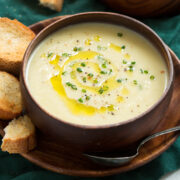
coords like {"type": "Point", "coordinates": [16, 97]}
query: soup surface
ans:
{"type": "Point", "coordinates": [96, 74]}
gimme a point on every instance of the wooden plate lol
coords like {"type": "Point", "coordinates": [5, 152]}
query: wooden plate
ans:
{"type": "Point", "coordinates": [55, 157]}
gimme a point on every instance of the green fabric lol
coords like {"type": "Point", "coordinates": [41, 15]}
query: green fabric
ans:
{"type": "Point", "coordinates": [28, 12]}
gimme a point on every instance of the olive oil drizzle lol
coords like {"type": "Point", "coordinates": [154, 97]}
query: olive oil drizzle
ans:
{"type": "Point", "coordinates": [75, 106]}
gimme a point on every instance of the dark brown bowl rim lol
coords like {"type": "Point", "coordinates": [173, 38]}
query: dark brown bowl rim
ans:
{"type": "Point", "coordinates": [170, 81]}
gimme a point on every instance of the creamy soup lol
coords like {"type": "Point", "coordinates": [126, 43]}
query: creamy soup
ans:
{"type": "Point", "coordinates": [96, 74]}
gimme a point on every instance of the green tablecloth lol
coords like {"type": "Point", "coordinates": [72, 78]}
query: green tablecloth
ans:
{"type": "Point", "coordinates": [28, 12]}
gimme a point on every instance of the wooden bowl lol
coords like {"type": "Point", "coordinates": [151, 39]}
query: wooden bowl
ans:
{"type": "Point", "coordinates": [145, 8]}
{"type": "Point", "coordinates": [104, 137]}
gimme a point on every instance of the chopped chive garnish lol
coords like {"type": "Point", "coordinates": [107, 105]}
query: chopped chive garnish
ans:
{"type": "Point", "coordinates": [135, 82]}
{"type": "Point", "coordinates": [77, 49]}
{"type": "Point", "coordinates": [83, 64]}
{"type": "Point", "coordinates": [65, 54]}
{"type": "Point", "coordinates": [101, 91]}
{"type": "Point", "coordinates": [90, 75]}
{"type": "Point", "coordinates": [124, 62]}
{"type": "Point", "coordinates": [68, 84]}
{"type": "Point", "coordinates": [152, 77]}
{"type": "Point", "coordinates": [83, 90]}
{"type": "Point", "coordinates": [133, 62]}
{"type": "Point", "coordinates": [119, 34]}
{"type": "Point", "coordinates": [79, 70]}
{"type": "Point", "coordinates": [103, 72]}
{"type": "Point", "coordinates": [119, 80]}
{"type": "Point", "coordinates": [80, 100]}
{"type": "Point", "coordinates": [71, 85]}
{"type": "Point", "coordinates": [87, 98]}
{"type": "Point", "coordinates": [63, 73]}
{"type": "Point", "coordinates": [74, 87]}
{"type": "Point", "coordinates": [95, 81]}
{"type": "Point", "coordinates": [50, 54]}
{"type": "Point", "coordinates": [131, 69]}
{"type": "Point", "coordinates": [123, 47]}
{"type": "Point", "coordinates": [110, 71]}
{"type": "Point", "coordinates": [104, 65]}
{"type": "Point", "coordinates": [145, 71]}
{"type": "Point", "coordinates": [84, 79]}
{"type": "Point", "coordinates": [141, 71]}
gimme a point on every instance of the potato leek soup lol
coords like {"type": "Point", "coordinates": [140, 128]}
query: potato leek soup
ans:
{"type": "Point", "coordinates": [96, 74]}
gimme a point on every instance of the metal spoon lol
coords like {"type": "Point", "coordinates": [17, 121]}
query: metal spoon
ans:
{"type": "Point", "coordinates": [116, 161]}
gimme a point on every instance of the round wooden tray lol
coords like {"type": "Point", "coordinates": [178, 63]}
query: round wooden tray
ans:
{"type": "Point", "coordinates": [55, 157]}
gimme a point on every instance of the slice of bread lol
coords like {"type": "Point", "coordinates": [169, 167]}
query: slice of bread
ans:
{"type": "Point", "coordinates": [19, 136]}
{"type": "Point", "coordinates": [52, 4]}
{"type": "Point", "coordinates": [14, 39]}
{"type": "Point", "coordinates": [10, 96]}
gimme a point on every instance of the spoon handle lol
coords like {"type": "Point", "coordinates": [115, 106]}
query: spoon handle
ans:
{"type": "Point", "coordinates": [177, 128]}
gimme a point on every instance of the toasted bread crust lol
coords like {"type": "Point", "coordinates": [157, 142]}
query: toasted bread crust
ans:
{"type": "Point", "coordinates": [21, 145]}
{"type": "Point", "coordinates": [6, 114]}
{"type": "Point", "coordinates": [10, 96]}
{"type": "Point", "coordinates": [14, 39]}
{"type": "Point", "coordinates": [53, 4]}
